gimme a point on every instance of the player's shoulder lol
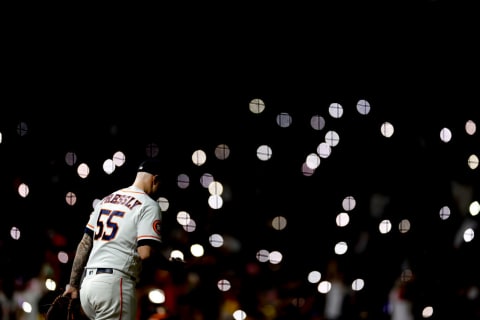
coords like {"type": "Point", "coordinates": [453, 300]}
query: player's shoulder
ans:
{"type": "Point", "coordinates": [151, 205]}
{"type": "Point", "coordinates": [150, 202]}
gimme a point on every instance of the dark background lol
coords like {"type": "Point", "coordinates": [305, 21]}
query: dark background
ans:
{"type": "Point", "coordinates": [98, 81]}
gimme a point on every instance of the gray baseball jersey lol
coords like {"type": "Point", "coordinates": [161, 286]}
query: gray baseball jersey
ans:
{"type": "Point", "coordinates": [118, 222]}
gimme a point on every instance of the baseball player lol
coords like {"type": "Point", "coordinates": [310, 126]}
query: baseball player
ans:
{"type": "Point", "coordinates": [122, 232]}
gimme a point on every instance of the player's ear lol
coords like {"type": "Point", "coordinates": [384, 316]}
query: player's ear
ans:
{"type": "Point", "coordinates": [154, 181]}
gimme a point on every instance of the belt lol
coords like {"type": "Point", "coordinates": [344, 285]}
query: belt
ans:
{"type": "Point", "coordinates": [92, 271]}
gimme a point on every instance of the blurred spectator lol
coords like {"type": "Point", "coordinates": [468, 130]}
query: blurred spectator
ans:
{"type": "Point", "coordinates": [400, 298]}
{"type": "Point", "coordinates": [336, 300]}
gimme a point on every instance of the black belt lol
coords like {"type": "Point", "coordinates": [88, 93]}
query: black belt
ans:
{"type": "Point", "coordinates": [110, 271]}
{"type": "Point", "coordinates": [104, 270]}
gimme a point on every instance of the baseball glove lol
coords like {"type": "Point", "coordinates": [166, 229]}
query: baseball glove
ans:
{"type": "Point", "coordinates": [65, 308]}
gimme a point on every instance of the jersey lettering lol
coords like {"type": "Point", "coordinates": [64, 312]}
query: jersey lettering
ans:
{"type": "Point", "coordinates": [128, 201]}
{"type": "Point", "coordinates": [107, 225]}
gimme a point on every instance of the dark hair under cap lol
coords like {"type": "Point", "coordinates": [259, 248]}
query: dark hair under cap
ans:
{"type": "Point", "coordinates": [152, 166]}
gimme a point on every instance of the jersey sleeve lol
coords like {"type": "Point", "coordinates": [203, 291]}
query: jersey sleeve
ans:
{"type": "Point", "coordinates": [92, 221]}
{"type": "Point", "coordinates": [149, 224]}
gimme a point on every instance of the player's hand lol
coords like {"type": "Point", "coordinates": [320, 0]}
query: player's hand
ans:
{"type": "Point", "coordinates": [71, 291]}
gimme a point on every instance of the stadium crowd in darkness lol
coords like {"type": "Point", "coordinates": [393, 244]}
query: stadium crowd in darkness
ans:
{"type": "Point", "coordinates": [423, 262]}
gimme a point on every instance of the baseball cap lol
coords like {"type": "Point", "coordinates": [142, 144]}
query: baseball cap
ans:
{"type": "Point", "coordinates": [152, 166]}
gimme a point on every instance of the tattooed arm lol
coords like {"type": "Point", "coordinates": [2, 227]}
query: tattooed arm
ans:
{"type": "Point", "coordinates": [79, 262]}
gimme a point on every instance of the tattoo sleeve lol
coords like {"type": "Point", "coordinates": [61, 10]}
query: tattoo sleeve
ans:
{"type": "Point", "coordinates": [80, 260]}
